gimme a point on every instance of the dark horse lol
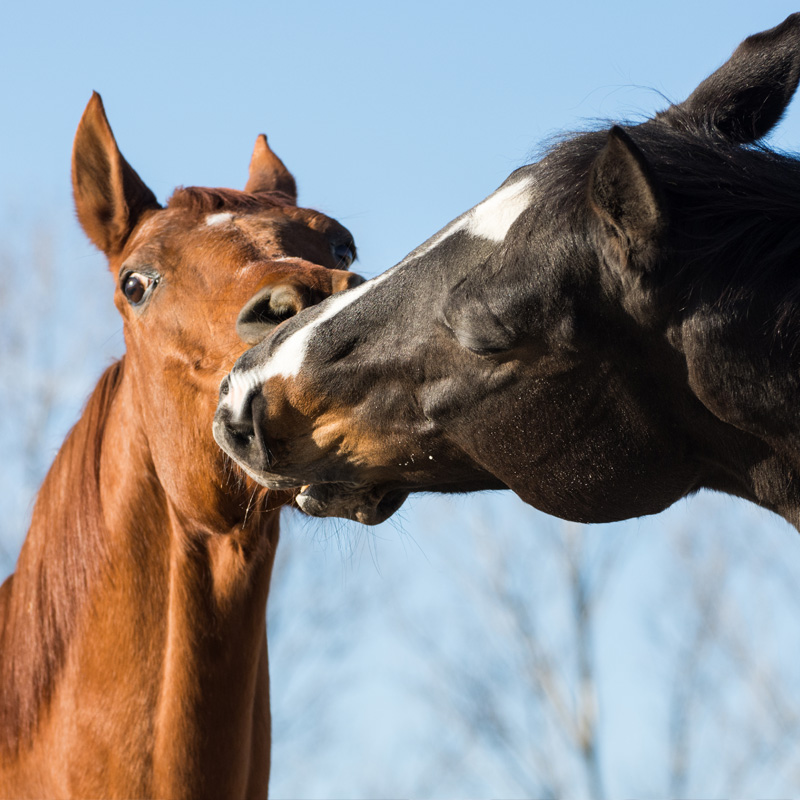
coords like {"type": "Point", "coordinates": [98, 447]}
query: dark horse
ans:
{"type": "Point", "coordinates": [133, 648]}
{"type": "Point", "coordinates": [614, 328]}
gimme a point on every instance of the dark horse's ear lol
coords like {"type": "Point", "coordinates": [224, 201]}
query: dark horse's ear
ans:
{"type": "Point", "coordinates": [268, 173]}
{"type": "Point", "coordinates": [109, 196]}
{"type": "Point", "coordinates": [625, 196]}
{"type": "Point", "coordinates": [748, 94]}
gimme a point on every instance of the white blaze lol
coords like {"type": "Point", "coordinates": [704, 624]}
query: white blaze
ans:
{"type": "Point", "coordinates": [288, 358]}
{"type": "Point", "coordinates": [492, 218]}
{"type": "Point", "coordinates": [219, 219]}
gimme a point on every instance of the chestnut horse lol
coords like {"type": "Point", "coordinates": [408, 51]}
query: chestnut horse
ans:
{"type": "Point", "coordinates": [133, 649]}
{"type": "Point", "coordinates": [617, 326]}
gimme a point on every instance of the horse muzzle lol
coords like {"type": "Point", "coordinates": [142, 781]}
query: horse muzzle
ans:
{"type": "Point", "coordinates": [238, 434]}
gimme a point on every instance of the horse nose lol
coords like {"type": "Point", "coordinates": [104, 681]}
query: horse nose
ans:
{"type": "Point", "coordinates": [238, 402]}
{"type": "Point", "coordinates": [239, 422]}
{"type": "Point", "coordinates": [235, 430]}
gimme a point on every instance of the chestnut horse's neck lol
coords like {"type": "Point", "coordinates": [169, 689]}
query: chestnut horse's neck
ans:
{"type": "Point", "coordinates": [117, 611]}
{"type": "Point", "coordinates": [64, 551]}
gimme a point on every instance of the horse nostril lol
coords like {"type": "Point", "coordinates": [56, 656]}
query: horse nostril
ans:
{"type": "Point", "coordinates": [240, 421]}
{"type": "Point", "coordinates": [224, 387]}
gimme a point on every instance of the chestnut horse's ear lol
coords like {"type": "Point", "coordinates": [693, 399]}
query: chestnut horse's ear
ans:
{"type": "Point", "coordinates": [109, 196]}
{"type": "Point", "coordinates": [341, 280]}
{"type": "Point", "coordinates": [625, 196]}
{"type": "Point", "coordinates": [268, 173]}
{"type": "Point", "coordinates": [746, 97]}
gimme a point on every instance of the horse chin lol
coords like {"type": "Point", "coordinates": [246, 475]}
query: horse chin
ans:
{"type": "Point", "coordinates": [368, 505]}
{"type": "Point", "coordinates": [270, 481]}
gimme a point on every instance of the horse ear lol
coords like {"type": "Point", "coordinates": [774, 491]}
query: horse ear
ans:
{"type": "Point", "coordinates": [342, 280]}
{"type": "Point", "coordinates": [268, 173]}
{"type": "Point", "coordinates": [624, 194]}
{"type": "Point", "coordinates": [109, 196]}
{"type": "Point", "coordinates": [746, 97]}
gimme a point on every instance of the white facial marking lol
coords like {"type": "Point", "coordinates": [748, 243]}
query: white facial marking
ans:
{"type": "Point", "coordinates": [492, 218]}
{"type": "Point", "coordinates": [237, 391]}
{"type": "Point", "coordinates": [219, 219]}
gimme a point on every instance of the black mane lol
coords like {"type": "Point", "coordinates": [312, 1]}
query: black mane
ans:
{"type": "Point", "coordinates": [735, 209]}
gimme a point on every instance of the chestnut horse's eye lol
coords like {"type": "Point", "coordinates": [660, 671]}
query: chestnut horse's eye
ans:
{"type": "Point", "coordinates": [344, 253]}
{"type": "Point", "coordinates": [136, 286]}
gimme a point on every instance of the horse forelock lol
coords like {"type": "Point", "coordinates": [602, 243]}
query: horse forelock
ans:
{"type": "Point", "coordinates": [205, 200]}
{"type": "Point", "coordinates": [62, 556]}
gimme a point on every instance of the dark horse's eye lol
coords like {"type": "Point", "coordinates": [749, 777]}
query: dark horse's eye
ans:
{"type": "Point", "coordinates": [344, 253]}
{"type": "Point", "coordinates": [136, 286]}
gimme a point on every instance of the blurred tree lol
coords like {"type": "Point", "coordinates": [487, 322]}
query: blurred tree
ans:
{"type": "Point", "coordinates": [47, 364]}
{"type": "Point", "coordinates": [730, 640]}
{"type": "Point", "coordinates": [518, 684]}
{"type": "Point", "coordinates": [520, 689]}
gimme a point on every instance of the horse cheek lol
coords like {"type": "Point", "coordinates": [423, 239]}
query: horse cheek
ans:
{"type": "Point", "coordinates": [737, 379]}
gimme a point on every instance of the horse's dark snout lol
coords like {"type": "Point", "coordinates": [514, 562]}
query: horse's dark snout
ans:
{"type": "Point", "coordinates": [239, 421]}
{"type": "Point", "coordinates": [235, 430]}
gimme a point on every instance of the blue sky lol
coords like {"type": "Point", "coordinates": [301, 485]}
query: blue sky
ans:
{"type": "Point", "coordinates": [394, 118]}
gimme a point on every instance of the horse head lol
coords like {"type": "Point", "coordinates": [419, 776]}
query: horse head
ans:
{"type": "Point", "coordinates": [197, 281]}
{"type": "Point", "coordinates": [615, 327]}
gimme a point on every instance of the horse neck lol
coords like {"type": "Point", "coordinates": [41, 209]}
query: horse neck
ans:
{"type": "Point", "coordinates": [60, 559]}
{"type": "Point", "coordinates": [120, 585]}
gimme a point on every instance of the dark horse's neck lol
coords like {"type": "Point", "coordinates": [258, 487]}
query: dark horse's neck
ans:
{"type": "Point", "coordinates": [147, 637]}
{"type": "Point", "coordinates": [714, 321]}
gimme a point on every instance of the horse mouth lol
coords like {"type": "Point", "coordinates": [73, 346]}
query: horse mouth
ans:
{"type": "Point", "coordinates": [368, 505]}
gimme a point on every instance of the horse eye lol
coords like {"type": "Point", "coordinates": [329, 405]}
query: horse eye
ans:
{"type": "Point", "coordinates": [136, 286]}
{"type": "Point", "coordinates": [344, 254]}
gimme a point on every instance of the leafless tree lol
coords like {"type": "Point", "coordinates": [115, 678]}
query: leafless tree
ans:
{"type": "Point", "coordinates": [523, 697]}
{"type": "Point", "coordinates": [520, 690]}
{"type": "Point", "coordinates": [49, 359]}
{"type": "Point", "coordinates": [730, 639]}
